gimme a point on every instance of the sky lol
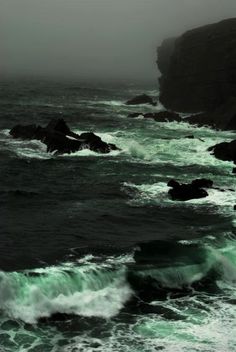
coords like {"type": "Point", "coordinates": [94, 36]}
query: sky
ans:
{"type": "Point", "coordinates": [96, 39]}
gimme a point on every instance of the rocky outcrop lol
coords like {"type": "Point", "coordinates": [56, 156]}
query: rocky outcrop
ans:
{"type": "Point", "coordinates": [194, 190]}
{"type": "Point", "coordinates": [199, 69]}
{"type": "Point", "coordinates": [60, 139]}
{"type": "Point", "coordinates": [225, 151]}
{"type": "Point", "coordinates": [141, 99]}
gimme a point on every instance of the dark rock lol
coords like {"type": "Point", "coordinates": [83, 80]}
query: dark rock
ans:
{"type": "Point", "coordinates": [59, 143]}
{"type": "Point", "coordinates": [222, 117]}
{"type": "Point", "coordinates": [202, 183]}
{"type": "Point", "coordinates": [60, 139]}
{"type": "Point", "coordinates": [141, 99]}
{"type": "Point", "coordinates": [60, 125]}
{"type": "Point", "coordinates": [234, 170]}
{"type": "Point", "coordinates": [173, 183]}
{"type": "Point", "coordinates": [225, 151]}
{"type": "Point", "coordinates": [199, 68]}
{"type": "Point", "coordinates": [167, 116]}
{"type": "Point", "coordinates": [25, 132]}
{"type": "Point", "coordinates": [163, 116]}
{"type": "Point", "coordinates": [184, 192]}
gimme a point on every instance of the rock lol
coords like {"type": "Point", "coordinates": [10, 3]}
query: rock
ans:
{"type": "Point", "coordinates": [222, 117]}
{"type": "Point", "coordinates": [60, 139]}
{"type": "Point", "coordinates": [199, 68]}
{"type": "Point", "coordinates": [184, 192]}
{"type": "Point", "coordinates": [141, 99]}
{"type": "Point", "coordinates": [59, 125]}
{"type": "Point", "coordinates": [225, 151]}
{"type": "Point", "coordinates": [167, 116]}
{"type": "Point", "coordinates": [25, 132]}
{"type": "Point", "coordinates": [162, 116]}
{"type": "Point", "coordinates": [96, 144]}
{"type": "Point", "coordinates": [202, 183]}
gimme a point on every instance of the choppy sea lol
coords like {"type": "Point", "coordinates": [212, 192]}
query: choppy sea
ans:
{"type": "Point", "coordinates": [70, 226]}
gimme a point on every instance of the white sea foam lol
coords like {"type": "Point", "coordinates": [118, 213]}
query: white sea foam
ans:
{"type": "Point", "coordinates": [85, 290]}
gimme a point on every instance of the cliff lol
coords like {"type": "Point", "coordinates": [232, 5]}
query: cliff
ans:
{"type": "Point", "coordinates": [199, 68]}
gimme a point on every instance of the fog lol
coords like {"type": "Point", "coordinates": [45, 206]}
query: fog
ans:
{"type": "Point", "coordinates": [96, 39]}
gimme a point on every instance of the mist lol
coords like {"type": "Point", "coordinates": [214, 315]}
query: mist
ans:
{"type": "Point", "coordinates": [96, 39]}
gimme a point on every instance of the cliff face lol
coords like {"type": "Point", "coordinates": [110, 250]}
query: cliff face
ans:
{"type": "Point", "coordinates": [199, 68]}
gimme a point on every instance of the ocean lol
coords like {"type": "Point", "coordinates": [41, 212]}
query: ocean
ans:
{"type": "Point", "coordinates": [71, 226]}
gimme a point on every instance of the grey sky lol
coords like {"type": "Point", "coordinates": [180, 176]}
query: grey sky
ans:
{"type": "Point", "coordinates": [96, 38]}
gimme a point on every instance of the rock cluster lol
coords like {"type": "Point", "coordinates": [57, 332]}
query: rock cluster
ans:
{"type": "Point", "coordinates": [60, 139]}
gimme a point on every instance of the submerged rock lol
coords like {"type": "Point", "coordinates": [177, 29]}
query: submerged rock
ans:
{"type": "Point", "coordinates": [60, 125]}
{"type": "Point", "coordinates": [141, 99]}
{"type": "Point", "coordinates": [58, 138]}
{"type": "Point", "coordinates": [194, 190]}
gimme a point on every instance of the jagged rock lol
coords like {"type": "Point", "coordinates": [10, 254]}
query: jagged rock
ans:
{"type": "Point", "coordinates": [141, 99]}
{"type": "Point", "coordinates": [59, 125]}
{"type": "Point", "coordinates": [199, 68]}
{"type": "Point", "coordinates": [225, 151]}
{"type": "Point", "coordinates": [96, 144]}
{"type": "Point", "coordinates": [60, 139]}
{"type": "Point", "coordinates": [194, 190]}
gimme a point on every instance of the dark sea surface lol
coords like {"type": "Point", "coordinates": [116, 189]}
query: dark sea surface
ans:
{"type": "Point", "coordinates": [70, 225]}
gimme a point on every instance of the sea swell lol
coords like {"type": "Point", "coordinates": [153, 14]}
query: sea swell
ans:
{"type": "Point", "coordinates": [89, 288]}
